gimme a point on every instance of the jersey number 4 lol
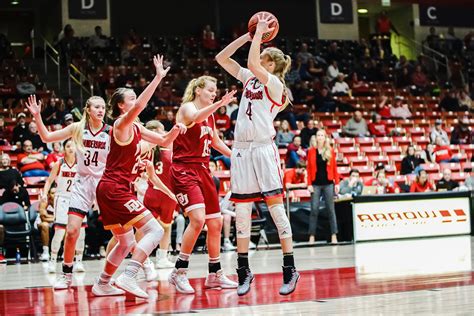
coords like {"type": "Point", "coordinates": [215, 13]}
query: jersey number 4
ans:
{"type": "Point", "coordinates": [91, 158]}
{"type": "Point", "coordinates": [249, 110]}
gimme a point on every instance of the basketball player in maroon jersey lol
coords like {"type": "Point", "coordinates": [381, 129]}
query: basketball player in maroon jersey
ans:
{"type": "Point", "coordinates": [120, 209]}
{"type": "Point", "coordinates": [193, 184]}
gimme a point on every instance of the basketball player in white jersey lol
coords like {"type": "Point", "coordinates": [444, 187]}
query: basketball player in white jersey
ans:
{"type": "Point", "coordinates": [92, 140]}
{"type": "Point", "coordinates": [63, 173]}
{"type": "Point", "coordinates": [255, 167]}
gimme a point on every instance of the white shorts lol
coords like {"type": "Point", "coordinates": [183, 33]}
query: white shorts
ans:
{"type": "Point", "coordinates": [61, 208]}
{"type": "Point", "coordinates": [255, 172]}
{"type": "Point", "coordinates": [83, 195]}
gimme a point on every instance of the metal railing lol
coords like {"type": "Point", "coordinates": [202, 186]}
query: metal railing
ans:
{"type": "Point", "coordinates": [79, 78]}
{"type": "Point", "coordinates": [51, 53]}
{"type": "Point", "coordinates": [437, 57]}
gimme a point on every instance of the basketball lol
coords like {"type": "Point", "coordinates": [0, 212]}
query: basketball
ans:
{"type": "Point", "coordinates": [252, 26]}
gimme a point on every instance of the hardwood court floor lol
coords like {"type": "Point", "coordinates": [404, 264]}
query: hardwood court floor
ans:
{"type": "Point", "coordinates": [423, 276]}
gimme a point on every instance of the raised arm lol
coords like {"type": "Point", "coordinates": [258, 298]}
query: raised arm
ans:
{"type": "Point", "coordinates": [163, 140]}
{"type": "Point", "coordinates": [189, 114]}
{"type": "Point", "coordinates": [47, 136]}
{"type": "Point", "coordinates": [145, 96]}
{"type": "Point", "coordinates": [223, 58]}
{"type": "Point", "coordinates": [253, 62]}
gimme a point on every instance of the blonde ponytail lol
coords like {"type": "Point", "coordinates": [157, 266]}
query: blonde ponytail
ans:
{"type": "Point", "coordinates": [282, 66]}
{"type": "Point", "coordinates": [326, 151]}
{"type": "Point", "coordinates": [190, 92]}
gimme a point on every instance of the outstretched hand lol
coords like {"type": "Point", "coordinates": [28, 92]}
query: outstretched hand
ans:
{"type": "Point", "coordinates": [181, 127]}
{"type": "Point", "coordinates": [264, 21]}
{"type": "Point", "coordinates": [228, 98]}
{"type": "Point", "coordinates": [160, 70]}
{"type": "Point", "coordinates": [33, 106]}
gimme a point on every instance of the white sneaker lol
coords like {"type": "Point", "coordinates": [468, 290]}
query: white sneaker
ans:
{"type": "Point", "coordinates": [179, 279]}
{"type": "Point", "coordinates": [149, 269]}
{"type": "Point", "coordinates": [164, 263]}
{"type": "Point", "coordinates": [102, 252]}
{"type": "Point", "coordinates": [79, 267]}
{"type": "Point", "coordinates": [106, 289]}
{"type": "Point", "coordinates": [63, 281]}
{"type": "Point", "coordinates": [51, 266]}
{"type": "Point", "coordinates": [228, 246]}
{"type": "Point", "coordinates": [219, 280]}
{"type": "Point", "coordinates": [130, 285]}
{"type": "Point", "coordinates": [44, 256]}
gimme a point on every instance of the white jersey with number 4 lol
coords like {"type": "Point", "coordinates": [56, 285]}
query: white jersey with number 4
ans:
{"type": "Point", "coordinates": [91, 160]}
{"type": "Point", "coordinates": [258, 108]}
{"type": "Point", "coordinates": [65, 178]}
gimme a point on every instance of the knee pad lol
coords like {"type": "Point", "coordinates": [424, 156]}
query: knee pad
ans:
{"type": "Point", "coordinates": [152, 233]}
{"type": "Point", "coordinates": [243, 219]}
{"type": "Point", "coordinates": [125, 243]}
{"type": "Point", "coordinates": [281, 221]}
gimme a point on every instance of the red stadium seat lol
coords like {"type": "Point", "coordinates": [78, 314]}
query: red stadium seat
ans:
{"type": "Point", "coordinates": [349, 151]}
{"type": "Point", "coordinates": [421, 141]}
{"type": "Point", "coordinates": [459, 176]}
{"type": "Point", "coordinates": [453, 166]}
{"type": "Point", "coordinates": [467, 166]}
{"type": "Point", "coordinates": [343, 171]}
{"type": "Point", "coordinates": [398, 179]}
{"type": "Point", "coordinates": [392, 150]}
{"type": "Point", "coordinates": [344, 142]}
{"type": "Point", "coordinates": [402, 140]}
{"type": "Point", "coordinates": [358, 161]}
{"type": "Point", "coordinates": [435, 177]}
{"type": "Point", "coordinates": [416, 131]}
{"type": "Point", "coordinates": [365, 171]}
{"type": "Point", "coordinates": [364, 141]}
{"type": "Point", "coordinates": [430, 167]}
{"type": "Point", "coordinates": [383, 141]}
{"type": "Point", "coordinates": [379, 159]}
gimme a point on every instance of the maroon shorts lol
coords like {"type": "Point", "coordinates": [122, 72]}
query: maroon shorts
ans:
{"type": "Point", "coordinates": [194, 188]}
{"type": "Point", "coordinates": [160, 205]}
{"type": "Point", "coordinates": [118, 205]}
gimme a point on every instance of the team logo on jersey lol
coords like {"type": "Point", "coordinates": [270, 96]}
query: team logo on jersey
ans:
{"type": "Point", "coordinates": [206, 130]}
{"type": "Point", "coordinates": [239, 155]}
{"type": "Point", "coordinates": [182, 199]}
{"type": "Point", "coordinates": [134, 205]}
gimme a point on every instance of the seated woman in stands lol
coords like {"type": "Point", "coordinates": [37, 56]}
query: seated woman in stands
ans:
{"type": "Point", "coordinates": [421, 183]}
{"type": "Point", "coordinates": [384, 185]}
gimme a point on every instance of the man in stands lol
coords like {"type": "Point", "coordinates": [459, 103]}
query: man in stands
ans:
{"type": "Point", "coordinates": [446, 183]}
{"type": "Point", "coordinates": [461, 133]}
{"type": "Point", "coordinates": [377, 127]}
{"type": "Point", "coordinates": [438, 131]}
{"type": "Point", "coordinates": [351, 186]}
{"type": "Point", "coordinates": [31, 162]}
{"type": "Point", "coordinates": [356, 126]}
{"type": "Point", "coordinates": [20, 132]}
{"type": "Point", "coordinates": [16, 193]}
{"type": "Point", "coordinates": [442, 153]}
{"type": "Point", "coordinates": [296, 178]}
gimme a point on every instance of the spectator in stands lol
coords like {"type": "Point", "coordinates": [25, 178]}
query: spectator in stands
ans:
{"type": "Point", "coordinates": [31, 162]}
{"type": "Point", "coordinates": [450, 102]}
{"type": "Point", "coordinates": [384, 107]}
{"type": "Point", "coordinates": [38, 144]}
{"type": "Point", "coordinates": [45, 221]}
{"type": "Point", "coordinates": [420, 80]}
{"type": "Point", "coordinates": [446, 183]}
{"type": "Point", "coordinates": [400, 109]}
{"type": "Point", "coordinates": [382, 184]}
{"type": "Point", "coordinates": [334, 53]}
{"type": "Point", "coordinates": [340, 87]}
{"type": "Point", "coordinates": [56, 154]}
{"type": "Point", "coordinates": [333, 71]}
{"type": "Point", "coordinates": [20, 132]}
{"type": "Point", "coordinates": [15, 192]}
{"type": "Point", "coordinates": [461, 133]}
{"type": "Point", "coordinates": [98, 40]}
{"type": "Point", "coordinates": [453, 43]}
{"type": "Point", "coordinates": [323, 179]}
{"type": "Point", "coordinates": [410, 162]}
{"type": "Point", "coordinates": [68, 45]}
{"type": "Point", "coordinates": [284, 135]}
{"type": "Point", "coordinates": [402, 63]}
{"type": "Point", "coordinates": [351, 186]}
{"type": "Point", "coordinates": [442, 153]}
{"type": "Point", "coordinates": [8, 174]}
{"type": "Point", "coordinates": [5, 47]}
{"type": "Point", "coordinates": [465, 101]}
{"type": "Point", "coordinates": [433, 40]}
{"type": "Point", "coordinates": [427, 155]}
{"type": "Point", "coordinates": [222, 120]}
{"type": "Point", "coordinates": [356, 126]}
{"type": "Point", "coordinates": [421, 183]}
{"type": "Point", "coordinates": [168, 122]}
{"type": "Point", "coordinates": [295, 152]}
{"type": "Point", "coordinates": [324, 102]}
{"type": "Point", "coordinates": [68, 119]}
{"type": "Point", "coordinates": [383, 28]}
{"type": "Point", "coordinates": [307, 132]}
{"type": "Point", "coordinates": [131, 43]}
{"type": "Point", "coordinates": [296, 178]}
{"type": "Point", "coordinates": [377, 127]}
{"type": "Point", "coordinates": [209, 41]}
{"type": "Point", "coordinates": [51, 113]}
{"type": "Point", "coordinates": [403, 79]}
{"type": "Point", "coordinates": [438, 131]}
{"type": "Point", "coordinates": [358, 86]}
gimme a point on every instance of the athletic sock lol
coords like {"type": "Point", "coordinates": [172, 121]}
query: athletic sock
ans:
{"type": "Point", "coordinates": [288, 259]}
{"type": "Point", "coordinates": [132, 268]}
{"type": "Point", "coordinates": [214, 265]}
{"type": "Point", "coordinates": [104, 278]}
{"type": "Point", "coordinates": [183, 261]}
{"type": "Point", "coordinates": [243, 259]}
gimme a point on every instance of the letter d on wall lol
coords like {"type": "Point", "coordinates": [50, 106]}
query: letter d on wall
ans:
{"type": "Point", "coordinates": [336, 11]}
{"type": "Point", "coordinates": [86, 6]}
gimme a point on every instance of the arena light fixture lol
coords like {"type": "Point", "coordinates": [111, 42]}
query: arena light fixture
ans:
{"type": "Point", "coordinates": [15, 2]}
{"type": "Point", "coordinates": [362, 11]}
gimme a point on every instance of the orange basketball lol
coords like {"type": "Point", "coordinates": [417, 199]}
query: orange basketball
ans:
{"type": "Point", "coordinates": [252, 26]}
